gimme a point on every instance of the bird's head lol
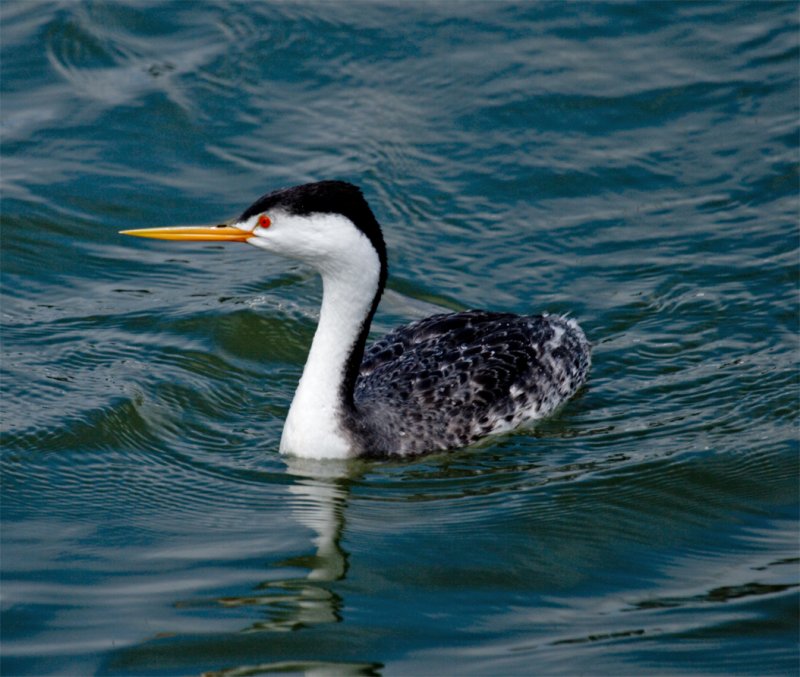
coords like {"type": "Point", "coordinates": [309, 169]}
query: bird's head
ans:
{"type": "Point", "coordinates": [327, 224]}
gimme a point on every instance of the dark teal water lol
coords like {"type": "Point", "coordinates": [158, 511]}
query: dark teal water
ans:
{"type": "Point", "coordinates": [635, 165]}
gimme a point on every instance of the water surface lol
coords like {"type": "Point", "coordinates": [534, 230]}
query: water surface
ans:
{"type": "Point", "coordinates": [634, 165]}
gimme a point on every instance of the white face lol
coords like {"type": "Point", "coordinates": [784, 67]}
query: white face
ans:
{"type": "Point", "coordinates": [326, 241]}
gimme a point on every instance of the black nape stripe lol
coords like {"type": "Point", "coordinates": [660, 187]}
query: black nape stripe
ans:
{"type": "Point", "coordinates": [334, 197]}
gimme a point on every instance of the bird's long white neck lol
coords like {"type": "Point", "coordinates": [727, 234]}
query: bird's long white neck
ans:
{"type": "Point", "coordinates": [350, 280]}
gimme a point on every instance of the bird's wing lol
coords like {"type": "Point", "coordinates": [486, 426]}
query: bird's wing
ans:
{"type": "Point", "coordinates": [449, 379]}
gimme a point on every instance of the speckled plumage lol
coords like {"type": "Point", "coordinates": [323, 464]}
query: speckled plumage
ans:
{"type": "Point", "coordinates": [448, 380]}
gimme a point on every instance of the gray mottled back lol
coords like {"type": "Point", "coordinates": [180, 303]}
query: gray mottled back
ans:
{"type": "Point", "coordinates": [448, 380]}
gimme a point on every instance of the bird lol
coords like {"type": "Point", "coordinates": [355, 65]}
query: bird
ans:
{"type": "Point", "coordinates": [434, 385]}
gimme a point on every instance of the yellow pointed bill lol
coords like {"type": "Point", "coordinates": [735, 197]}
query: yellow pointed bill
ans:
{"type": "Point", "coordinates": [221, 233]}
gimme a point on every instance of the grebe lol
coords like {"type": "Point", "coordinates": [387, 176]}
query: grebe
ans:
{"type": "Point", "coordinates": [433, 385]}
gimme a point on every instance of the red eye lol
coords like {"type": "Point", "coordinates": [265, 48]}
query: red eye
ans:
{"type": "Point", "coordinates": [264, 222]}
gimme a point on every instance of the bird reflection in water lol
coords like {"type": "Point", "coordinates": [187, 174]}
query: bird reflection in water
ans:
{"type": "Point", "coordinates": [319, 498]}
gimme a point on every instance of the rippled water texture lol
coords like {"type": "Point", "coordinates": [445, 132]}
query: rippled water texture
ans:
{"type": "Point", "coordinates": [635, 165]}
